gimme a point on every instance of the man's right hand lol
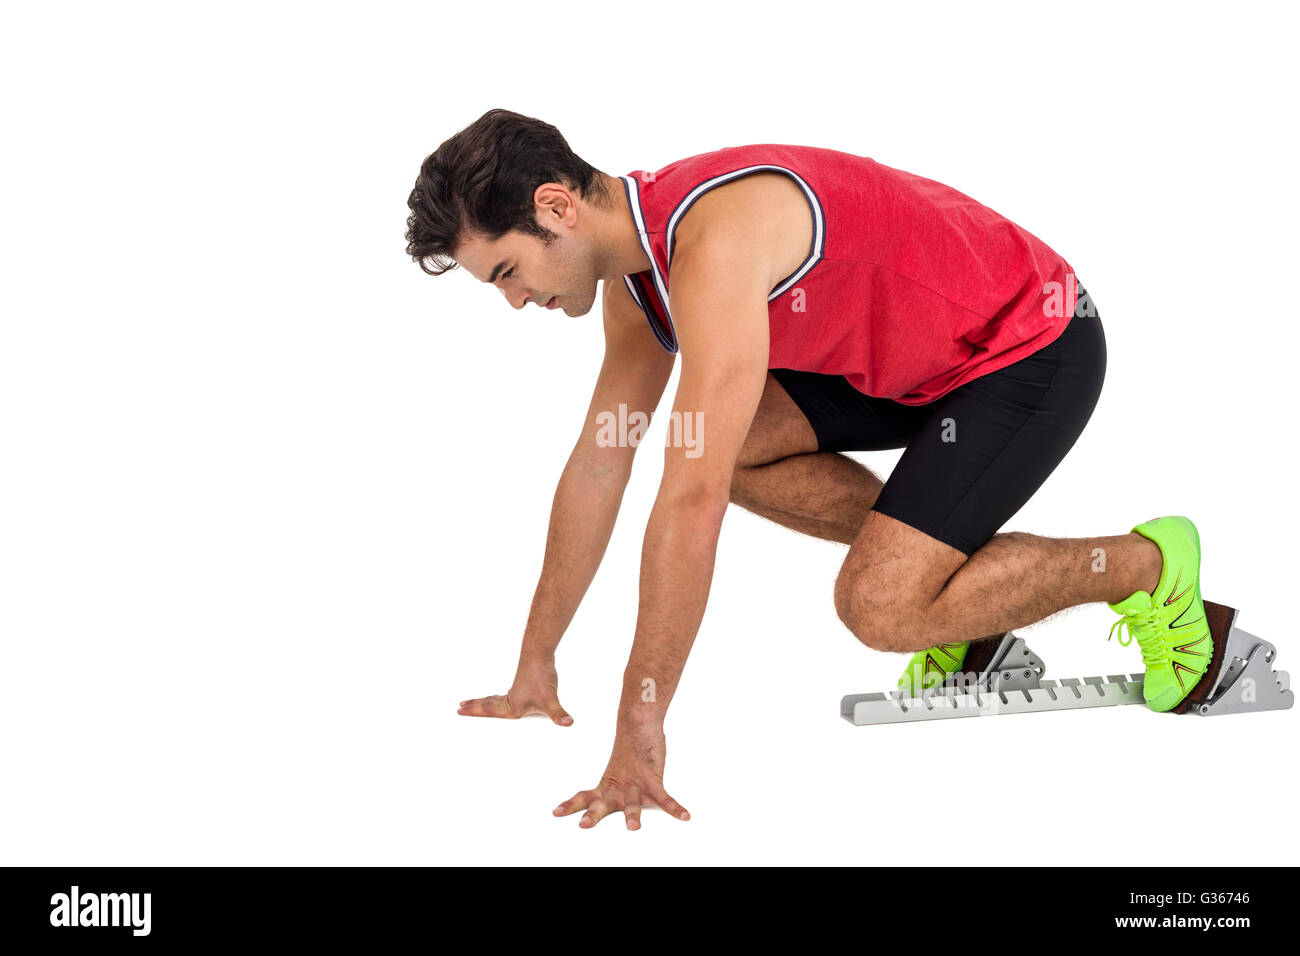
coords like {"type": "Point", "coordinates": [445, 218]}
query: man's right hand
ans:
{"type": "Point", "coordinates": [535, 691]}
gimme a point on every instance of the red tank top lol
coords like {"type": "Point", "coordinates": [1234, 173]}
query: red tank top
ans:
{"type": "Point", "coordinates": [909, 290]}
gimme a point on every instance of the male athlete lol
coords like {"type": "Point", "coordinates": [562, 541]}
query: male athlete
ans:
{"type": "Point", "coordinates": [821, 302]}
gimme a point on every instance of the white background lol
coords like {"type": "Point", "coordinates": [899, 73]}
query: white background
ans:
{"type": "Point", "coordinates": [274, 500]}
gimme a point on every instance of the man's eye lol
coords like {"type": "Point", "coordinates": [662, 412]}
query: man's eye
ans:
{"type": "Point", "coordinates": [508, 273]}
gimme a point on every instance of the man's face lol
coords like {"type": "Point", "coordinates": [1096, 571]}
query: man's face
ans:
{"type": "Point", "coordinates": [526, 269]}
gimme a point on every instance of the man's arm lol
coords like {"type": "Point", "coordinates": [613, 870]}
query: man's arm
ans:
{"type": "Point", "coordinates": [724, 365]}
{"type": "Point", "coordinates": [723, 268]}
{"type": "Point", "coordinates": [585, 507]}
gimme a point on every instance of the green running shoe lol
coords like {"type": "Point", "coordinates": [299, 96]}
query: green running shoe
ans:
{"type": "Point", "coordinates": [930, 667]}
{"type": "Point", "coordinates": [1170, 625]}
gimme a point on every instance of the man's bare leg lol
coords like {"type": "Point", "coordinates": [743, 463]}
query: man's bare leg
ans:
{"type": "Point", "coordinates": [902, 590]}
{"type": "Point", "coordinates": [781, 475]}
{"type": "Point", "coordinates": [824, 494]}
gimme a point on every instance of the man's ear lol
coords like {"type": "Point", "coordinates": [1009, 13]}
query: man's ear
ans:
{"type": "Point", "coordinates": [554, 202]}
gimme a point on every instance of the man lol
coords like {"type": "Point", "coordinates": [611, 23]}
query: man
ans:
{"type": "Point", "coordinates": [820, 302]}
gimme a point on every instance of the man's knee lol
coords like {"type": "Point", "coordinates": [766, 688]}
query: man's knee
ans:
{"type": "Point", "coordinates": [880, 624]}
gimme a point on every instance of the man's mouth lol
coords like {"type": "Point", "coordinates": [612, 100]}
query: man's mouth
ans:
{"type": "Point", "coordinates": [551, 304]}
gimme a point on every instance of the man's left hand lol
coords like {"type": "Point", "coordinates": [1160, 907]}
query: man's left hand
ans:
{"type": "Point", "coordinates": [634, 778]}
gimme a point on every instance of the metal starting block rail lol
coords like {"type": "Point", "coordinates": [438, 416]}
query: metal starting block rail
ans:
{"type": "Point", "coordinates": [1240, 680]}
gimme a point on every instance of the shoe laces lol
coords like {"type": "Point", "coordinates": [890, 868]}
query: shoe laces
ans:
{"type": "Point", "coordinates": [1145, 626]}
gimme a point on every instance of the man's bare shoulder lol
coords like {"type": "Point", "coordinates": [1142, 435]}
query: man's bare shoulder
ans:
{"type": "Point", "coordinates": [761, 215]}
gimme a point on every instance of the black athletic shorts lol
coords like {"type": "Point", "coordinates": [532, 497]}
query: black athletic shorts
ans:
{"type": "Point", "coordinates": [977, 454]}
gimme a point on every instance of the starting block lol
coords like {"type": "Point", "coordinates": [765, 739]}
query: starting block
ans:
{"type": "Point", "coordinates": [1240, 679]}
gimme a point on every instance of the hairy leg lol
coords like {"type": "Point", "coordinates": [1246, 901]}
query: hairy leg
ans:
{"type": "Point", "coordinates": [781, 476]}
{"type": "Point", "coordinates": [824, 494]}
{"type": "Point", "coordinates": [902, 590]}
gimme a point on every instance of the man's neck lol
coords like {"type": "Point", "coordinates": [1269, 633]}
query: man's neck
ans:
{"type": "Point", "coordinates": [617, 227]}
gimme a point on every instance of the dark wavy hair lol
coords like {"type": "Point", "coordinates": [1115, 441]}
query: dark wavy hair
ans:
{"type": "Point", "coordinates": [483, 179]}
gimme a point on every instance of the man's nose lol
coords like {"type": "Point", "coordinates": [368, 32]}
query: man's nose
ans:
{"type": "Point", "coordinates": [517, 298]}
